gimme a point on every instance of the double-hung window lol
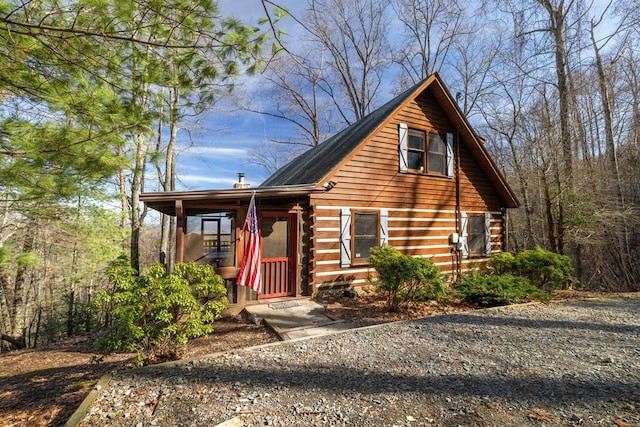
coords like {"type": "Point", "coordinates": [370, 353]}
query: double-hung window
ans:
{"type": "Point", "coordinates": [417, 152]}
{"type": "Point", "coordinates": [425, 152]}
{"type": "Point", "coordinates": [437, 154]}
{"type": "Point", "coordinates": [476, 234]}
{"type": "Point", "coordinates": [361, 230]}
{"type": "Point", "coordinates": [365, 235]}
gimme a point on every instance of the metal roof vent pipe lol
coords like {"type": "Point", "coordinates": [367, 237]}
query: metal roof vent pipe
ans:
{"type": "Point", "coordinates": [241, 183]}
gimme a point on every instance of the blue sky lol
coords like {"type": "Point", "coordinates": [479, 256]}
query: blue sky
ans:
{"type": "Point", "coordinates": [218, 149]}
{"type": "Point", "coordinates": [221, 150]}
{"type": "Point", "coordinates": [221, 143]}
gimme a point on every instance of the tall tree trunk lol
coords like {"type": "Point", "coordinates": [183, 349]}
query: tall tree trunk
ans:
{"type": "Point", "coordinates": [137, 187]}
{"type": "Point", "coordinates": [620, 224]}
{"type": "Point", "coordinates": [529, 241]}
{"type": "Point", "coordinates": [560, 203]}
{"type": "Point", "coordinates": [557, 16]}
{"type": "Point", "coordinates": [169, 182]}
{"type": "Point", "coordinates": [636, 106]}
{"type": "Point", "coordinates": [18, 308]}
{"type": "Point", "coordinates": [122, 185]}
{"type": "Point", "coordinates": [551, 225]}
{"type": "Point", "coordinates": [610, 151]}
{"type": "Point", "coordinates": [5, 297]}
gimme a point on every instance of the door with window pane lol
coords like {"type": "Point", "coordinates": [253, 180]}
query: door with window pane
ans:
{"type": "Point", "coordinates": [278, 255]}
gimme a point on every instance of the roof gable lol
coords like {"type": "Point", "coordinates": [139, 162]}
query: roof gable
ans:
{"type": "Point", "coordinates": [314, 165]}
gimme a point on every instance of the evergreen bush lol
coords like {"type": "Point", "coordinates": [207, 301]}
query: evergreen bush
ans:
{"type": "Point", "coordinates": [156, 313]}
{"type": "Point", "coordinates": [502, 262]}
{"type": "Point", "coordinates": [405, 278]}
{"type": "Point", "coordinates": [545, 269]}
{"type": "Point", "coordinates": [494, 290]}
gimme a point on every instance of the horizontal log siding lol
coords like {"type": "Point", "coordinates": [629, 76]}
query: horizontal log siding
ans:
{"type": "Point", "coordinates": [421, 207]}
{"type": "Point", "coordinates": [416, 232]}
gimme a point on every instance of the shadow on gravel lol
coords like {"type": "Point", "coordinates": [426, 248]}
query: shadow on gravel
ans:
{"type": "Point", "coordinates": [501, 318]}
{"type": "Point", "coordinates": [46, 383]}
{"type": "Point", "coordinates": [514, 322]}
{"type": "Point", "coordinates": [416, 375]}
{"type": "Point", "coordinates": [338, 379]}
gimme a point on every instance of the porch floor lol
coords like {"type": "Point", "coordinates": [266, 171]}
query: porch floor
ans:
{"type": "Point", "coordinates": [297, 318]}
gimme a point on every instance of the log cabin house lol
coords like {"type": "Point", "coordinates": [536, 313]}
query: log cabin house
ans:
{"type": "Point", "coordinates": [413, 174]}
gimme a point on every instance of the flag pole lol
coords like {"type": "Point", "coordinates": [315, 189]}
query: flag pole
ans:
{"type": "Point", "coordinates": [250, 274]}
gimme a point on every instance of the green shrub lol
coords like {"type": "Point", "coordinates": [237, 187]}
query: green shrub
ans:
{"type": "Point", "coordinates": [546, 270]}
{"type": "Point", "coordinates": [502, 262]}
{"type": "Point", "coordinates": [156, 314]}
{"type": "Point", "coordinates": [494, 290]}
{"type": "Point", "coordinates": [405, 278]}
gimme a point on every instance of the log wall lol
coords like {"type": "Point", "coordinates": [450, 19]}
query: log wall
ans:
{"type": "Point", "coordinates": [423, 210]}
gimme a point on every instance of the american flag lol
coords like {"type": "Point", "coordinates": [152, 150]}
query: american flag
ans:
{"type": "Point", "coordinates": [250, 270]}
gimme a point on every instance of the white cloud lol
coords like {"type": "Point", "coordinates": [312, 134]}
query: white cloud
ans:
{"type": "Point", "coordinates": [194, 181]}
{"type": "Point", "coordinates": [200, 180]}
{"type": "Point", "coordinates": [217, 152]}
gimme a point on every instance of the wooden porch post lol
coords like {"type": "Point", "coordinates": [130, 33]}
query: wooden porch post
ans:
{"type": "Point", "coordinates": [299, 251]}
{"type": "Point", "coordinates": [181, 222]}
{"type": "Point", "coordinates": [241, 291]}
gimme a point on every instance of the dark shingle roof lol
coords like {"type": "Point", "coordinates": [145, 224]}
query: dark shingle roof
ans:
{"type": "Point", "coordinates": [313, 165]}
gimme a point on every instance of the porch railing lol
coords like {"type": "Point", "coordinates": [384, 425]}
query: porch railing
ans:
{"type": "Point", "coordinates": [276, 278]}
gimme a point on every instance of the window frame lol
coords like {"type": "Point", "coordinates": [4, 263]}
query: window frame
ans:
{"type": "Point", "coordinates": [427, 151]}
{"type": "Point", "coordinates": [482, 237]}
{"type": "Point", "coordinates": [210, 237]}
{"type": "Point", "coordinates": [422, 152]}
{"type": "Point", "coordinates": [355, 260]}
{"type": "Point", "coordinates": [442, 156]}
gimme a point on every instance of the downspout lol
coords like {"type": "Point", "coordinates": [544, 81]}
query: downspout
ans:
{"type": "Point", "coordinates": [505, 229]}
{"type": "Point", "coordinates": [458, 254]}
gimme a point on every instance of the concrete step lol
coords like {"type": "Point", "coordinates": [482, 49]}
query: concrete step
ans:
{"type": "Point", "coordinates": [298, 318]}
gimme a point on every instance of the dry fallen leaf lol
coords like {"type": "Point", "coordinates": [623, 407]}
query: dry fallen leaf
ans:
{"type": "Point", "coordinates": [539, 414]}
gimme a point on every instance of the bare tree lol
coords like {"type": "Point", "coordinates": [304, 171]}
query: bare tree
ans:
{"type": "Point", "coordinates": [271, 155]}
{"type": "Point", "coordinates": [294, 94]}
{"type": "Point", "coordinates": [557, 26]}
{"type": "Point", "coordinates": [351, 36]}
{"type": "Point", "coordinates": [505, 114]}
{"type": "Point", "coordinates": [430, 30]}
{"type": "Point", "coordinates": [327, 76]}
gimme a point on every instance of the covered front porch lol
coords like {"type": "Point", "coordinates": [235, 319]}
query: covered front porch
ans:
{"type": "Point", "coordinates": [210, 229]}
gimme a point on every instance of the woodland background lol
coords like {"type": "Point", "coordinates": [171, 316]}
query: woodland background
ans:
{"type": "Point", "coordinates": [93, 93]}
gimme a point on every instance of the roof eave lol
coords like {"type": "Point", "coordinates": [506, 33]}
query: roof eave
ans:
{"type": "Point", "coordinates": [419, 88]}
{"type": "Point", "coordinates": [165, 201]}
{"type": "Point", "coordinates": [502, 186]}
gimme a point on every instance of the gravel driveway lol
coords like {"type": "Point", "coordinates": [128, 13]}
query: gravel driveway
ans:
{"type": "Point", "coordinates": [570, 363]}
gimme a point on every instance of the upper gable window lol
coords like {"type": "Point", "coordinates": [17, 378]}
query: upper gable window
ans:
{"type": "Point", "coordinates": [416, 150]}
{"type": "Point", "coordinates": [427, 155]}
{"type": "Point", "coordinates": [425, 152]}
{"type": "Point", "coordinates": [437, 154]}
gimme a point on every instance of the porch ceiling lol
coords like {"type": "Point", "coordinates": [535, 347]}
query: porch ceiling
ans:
{"type": "Point", "coordinates": [165, 202]}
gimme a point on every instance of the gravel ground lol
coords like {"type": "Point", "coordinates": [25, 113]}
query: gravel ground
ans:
{"type": "Point", "coordinates": [569, 363]}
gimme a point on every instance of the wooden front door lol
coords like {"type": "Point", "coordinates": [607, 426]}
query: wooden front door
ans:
{"type": "Point", "coordinates": [278, 255]}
